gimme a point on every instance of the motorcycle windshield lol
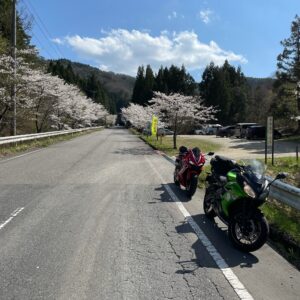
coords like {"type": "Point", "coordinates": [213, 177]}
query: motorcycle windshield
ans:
{"type": "Point", "coordinates": [255, 170]}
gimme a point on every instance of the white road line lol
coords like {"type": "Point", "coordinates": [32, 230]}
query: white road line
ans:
{"type": "Point", "coordinates": [25, 154]}
{"type": "Point", "coordinates": [233, 280]}
{"type": "Point", "coordinates": [12, 215]}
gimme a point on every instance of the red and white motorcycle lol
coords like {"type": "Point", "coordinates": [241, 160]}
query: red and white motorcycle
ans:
{"type": "Point", "coordinates": [188, 166]}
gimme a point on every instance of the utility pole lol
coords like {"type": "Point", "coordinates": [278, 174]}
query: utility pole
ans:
{"type": "Point", "coordinates": [14, 57]}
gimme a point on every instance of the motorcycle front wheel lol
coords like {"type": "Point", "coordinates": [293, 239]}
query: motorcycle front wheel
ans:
{"type": "Point", "coordinates": [175, 179]}
{"type": "Point", "coordinates": [208, 203]}
{"type": "Point", "coordinates": [248, 234]}
{"type": "Point", "coordinates": [192, 186]}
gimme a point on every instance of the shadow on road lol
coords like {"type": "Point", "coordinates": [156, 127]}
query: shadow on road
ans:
{"type": "Point", "coordinates": [165, 197]}
{"type": "Point", "coordinates": [216, 233]}
{"type": "Point", "coordinates": [218, 237]}
{"type": "Point", "coordinates": [134, 151]}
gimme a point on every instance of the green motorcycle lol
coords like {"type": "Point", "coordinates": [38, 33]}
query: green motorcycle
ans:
{"type": "Point", "coordinates": [234, 193]}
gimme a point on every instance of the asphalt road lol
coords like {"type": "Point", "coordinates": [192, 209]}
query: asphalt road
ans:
{"type": "Point", "coordinates": [95, 218]}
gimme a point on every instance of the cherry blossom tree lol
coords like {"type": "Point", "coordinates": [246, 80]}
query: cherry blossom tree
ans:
{"type": "Point", "coordinates": [73, 109]}
{"type": "Point", "coordinates": [45, 99]}
{"type": "Point", "coordinates": [176, 110]}
{"type": "Point", "coordinates": [139, 116]}
{"type": "Point", "coordinates": [7, 79]}
{"type": "Point", "coordinates": [39, 95]}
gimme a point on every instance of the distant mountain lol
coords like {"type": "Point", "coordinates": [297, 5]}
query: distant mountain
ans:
{"type": "Point", "coordinates": [254, 83]}
{"type": "Point", "coordinates": [119, 85]}
{"type": "Point", "coordinates": [116, 89]}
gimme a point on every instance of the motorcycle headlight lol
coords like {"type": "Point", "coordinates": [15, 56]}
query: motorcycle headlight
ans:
{"type": "Point", "coordinates": [249, 191]}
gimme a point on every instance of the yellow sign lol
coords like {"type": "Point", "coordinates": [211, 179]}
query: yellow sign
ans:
{"type": "Point", "coordinates": [154, 125]}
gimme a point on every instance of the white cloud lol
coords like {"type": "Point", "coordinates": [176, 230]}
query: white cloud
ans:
{"type": "Point", "coordinates": [205, 15]}
{"type": "Point", "coordinates": [122, 51]}
{"type": "Point", "coordinates": [58, 41]}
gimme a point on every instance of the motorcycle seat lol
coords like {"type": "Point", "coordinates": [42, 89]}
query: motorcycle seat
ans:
{"type": "Point", "coordinates": [222, 165]}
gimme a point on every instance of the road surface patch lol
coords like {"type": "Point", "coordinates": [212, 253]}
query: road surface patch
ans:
{"type": "Point", "coordinates": [233, 280]}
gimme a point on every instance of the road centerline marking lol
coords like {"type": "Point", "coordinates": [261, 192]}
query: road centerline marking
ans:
{"type": "Point", "coordinates": [233, 280]}
{"type": "Point", "coordinates": [12, 216]}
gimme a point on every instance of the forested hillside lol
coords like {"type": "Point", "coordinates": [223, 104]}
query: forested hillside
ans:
{"type": "Point", "coordinates": [112, 90]}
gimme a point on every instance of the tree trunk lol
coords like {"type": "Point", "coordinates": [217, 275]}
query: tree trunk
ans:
{"type": "Point", "coordinates": [3, 113]}
{"type": "Point", "coordinates": [174, 141]}
{"type": "Point", "coordinates": [298, 102]}
{"type": "Point", "coordinates": [175, 134]}
{"type": "Point", "coordinates": [37, 127]}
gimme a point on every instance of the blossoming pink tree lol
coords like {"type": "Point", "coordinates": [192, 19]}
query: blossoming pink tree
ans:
{"type": "Point", "coordinates": [139, 116]}
{"type": "Point", "coordinates": [176, 110]}
{"type": "Point", "coordinates": [44, 98]}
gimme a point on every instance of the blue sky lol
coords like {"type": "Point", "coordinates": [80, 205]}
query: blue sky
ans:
{"type": "Point", "coordinates": [119, 35]}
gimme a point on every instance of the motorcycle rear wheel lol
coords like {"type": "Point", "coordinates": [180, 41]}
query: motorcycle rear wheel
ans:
{"type": "Point", "coordinates": [175, 179]}
{"type": "Point", "coordinates": [248, 234]}
{"type": "Point", "coordinates": [192, 186]}
{"type": "Point", "coordinates": [208, 203]}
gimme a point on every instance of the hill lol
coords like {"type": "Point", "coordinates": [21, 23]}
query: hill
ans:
{"type": "Point", "coordinates": [114, 91]}
{"type": "Point", "coordinates": [254, 83]}
{"type": "Point", "coordinates": [119, 85]}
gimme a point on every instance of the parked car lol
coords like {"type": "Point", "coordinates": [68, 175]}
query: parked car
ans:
{"type": "Point", "coordinates": [212, 129]}
{"type": "Point", "coordinates": [164, 131]}
{"type": "Point", "coordinates": [199, 131]}
{"type": "Point", "coordinates": [259, 132]}
{"type": "Point", "coordinates": [168, 132]}
{"type": "Point", "coordinates": [286, 132]}
{"type": "Point", "coordinates": [147, 131]}
{"type": "Point", "coordinates": [226, 131]}
{"type": "Point", "coordinates": [240, 129]}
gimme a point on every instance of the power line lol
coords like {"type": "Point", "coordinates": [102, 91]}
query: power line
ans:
{"type": "Point", "coordinates": [36, 36]}
{"type": "Point", "coordinates": [42, 46]}
{"type": "Point", "coordinates": [45, 27]}
{"type": "Point", "coordinates": [45, 32]}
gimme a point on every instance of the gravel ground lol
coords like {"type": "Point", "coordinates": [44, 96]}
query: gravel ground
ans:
{"type": "Point", "coordinates": [241, 148]}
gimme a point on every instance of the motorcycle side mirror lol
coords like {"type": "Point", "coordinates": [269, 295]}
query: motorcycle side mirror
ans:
{"type": "Point", "coordinates": [210, 153]}
{"type": "Point", "coordinates": [281, 175]}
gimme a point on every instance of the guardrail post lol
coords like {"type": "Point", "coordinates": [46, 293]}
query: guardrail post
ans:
{"type": "Point", "coordinates": [297, 154]}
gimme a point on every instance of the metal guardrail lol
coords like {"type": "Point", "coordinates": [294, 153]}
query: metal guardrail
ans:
{"type": "Point", "coordinates": [285, 193]}
{"type": "Point", "coordinates": [34, 136]}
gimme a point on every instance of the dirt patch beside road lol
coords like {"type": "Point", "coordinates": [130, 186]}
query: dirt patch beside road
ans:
{"type": "Point", "coordinates": [245, 149]}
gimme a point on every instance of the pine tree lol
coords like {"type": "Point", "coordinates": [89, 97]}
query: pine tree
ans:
{"type": "Point", "coordinates": [160, 84]}
{"type": "Point", "coordinates": [23, 39]}
{"type": "Point", "coordinates": [287, 86]}
{"type": "Point", "coordinates": [149, 85]}
{"type": "Point", "coordinates": [139, 86]}
{"type": "Point", "coordinates": [225, 88]}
